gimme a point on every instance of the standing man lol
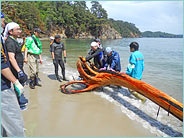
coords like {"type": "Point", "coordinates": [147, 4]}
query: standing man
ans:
{"type": "Point", "coordinates": [113, 60]}
{"type": "Point", "coordinates": [57, 48]}
{"type": "Point", "coordinates": [136, 67]}
{"type": "Point", "coordinates": [33, 52]}
{"type": "Point", "coordinates": [16, 58]}
{"type": "Point", "coordinates": [12, 124]}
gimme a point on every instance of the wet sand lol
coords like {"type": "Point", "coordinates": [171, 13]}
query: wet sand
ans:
{"type": "Point", "coordinates": [51, 113]}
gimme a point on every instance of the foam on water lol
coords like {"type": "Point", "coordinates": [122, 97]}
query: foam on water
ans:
{"type": "Point", "coordinates": [145, 114]}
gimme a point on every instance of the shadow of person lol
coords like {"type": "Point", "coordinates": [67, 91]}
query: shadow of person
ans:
{"type": "Point", "coordinates": [52, 76]}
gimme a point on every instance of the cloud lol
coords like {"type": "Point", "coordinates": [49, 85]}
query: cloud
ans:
{"type": "Point", "coordinates": [166, 16]}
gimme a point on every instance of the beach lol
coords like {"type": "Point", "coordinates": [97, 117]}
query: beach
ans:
{"type": "Point", "coordinates": [52, 113]}
{"type": "Point", "coordinates": [107, 112]}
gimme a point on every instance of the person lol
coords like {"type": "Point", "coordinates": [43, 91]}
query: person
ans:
{"type": "Point", "coordinates": [136, 67]}
{"type": "Point", "coordinates": [113, 60]}
{"type": "Point", "coordinates": [32, 56]}
{"type": "Point", "coordinates": [12, 124]}
{"type": "Point", "coordinates": [51, 42]}
{"type": "Point", "coordinates": [98, 55]}
{"type": "Point", "coordinates": [16, 58]}
{"type": "Point", "coordinates": [56, 50]}
{"type": "Point", "coordinates": [98, 41]}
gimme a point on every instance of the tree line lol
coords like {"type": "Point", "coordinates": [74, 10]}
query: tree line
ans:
{"type": "Point", "coordinates": [72, 16]}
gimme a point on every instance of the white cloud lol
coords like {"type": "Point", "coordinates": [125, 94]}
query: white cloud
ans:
{"type": "Point", "coordinates": [166, 16]}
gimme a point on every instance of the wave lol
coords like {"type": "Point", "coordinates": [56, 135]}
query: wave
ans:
{"type": "Point", "coordinates": [145, 114]}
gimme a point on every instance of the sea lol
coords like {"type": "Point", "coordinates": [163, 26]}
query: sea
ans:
{"type": "Point", "coordinates": [163, 61]}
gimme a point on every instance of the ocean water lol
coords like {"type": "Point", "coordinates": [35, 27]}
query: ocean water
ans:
{"type": "Point", "coordinates": [163, 70]}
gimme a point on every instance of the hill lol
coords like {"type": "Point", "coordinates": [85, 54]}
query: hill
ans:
{"type": "Point", "coordinates": [160, 34]}
{"type": "Point", "coordinates": [71, 19]}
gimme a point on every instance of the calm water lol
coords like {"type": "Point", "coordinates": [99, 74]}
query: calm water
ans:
{"type": "Point", "coordinates": [163, 70]}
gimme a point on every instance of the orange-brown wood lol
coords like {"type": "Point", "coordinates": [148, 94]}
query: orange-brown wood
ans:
{"type": "Point", "coordinates": [102, 78]}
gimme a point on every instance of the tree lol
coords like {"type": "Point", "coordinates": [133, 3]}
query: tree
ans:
{"type": "Point", "coordinates": [97, 10]}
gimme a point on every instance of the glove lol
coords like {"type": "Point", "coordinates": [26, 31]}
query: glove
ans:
{"type": "Point", "coordinates": [111, 69]}
{"type": "Point", "coordinates": [22, 77]}
{"type": "Point", "coordinates": [18, 88]}
{"type": "Point", "coordinates": [65, 59]}
{"type": "Point", "coordinates": [54, 61]}
{"type": "Point", "coordinates": [104, 68]}
{"type": "Point", "coordinates": [20, 74]}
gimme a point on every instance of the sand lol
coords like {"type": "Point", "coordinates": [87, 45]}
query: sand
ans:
{"type": "Point", "coordinates": [52, 113]}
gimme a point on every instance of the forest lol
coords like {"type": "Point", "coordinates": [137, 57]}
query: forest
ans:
{"type": "Point", "coordinates": [74, 17]}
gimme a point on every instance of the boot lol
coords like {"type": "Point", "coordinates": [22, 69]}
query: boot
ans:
{"type": "Point", "coordinates": [36, 81]}
{"type": "Point", "coordinates": [138, 96]}
{"type": "Point", "coordinates": [64, 78]}
{"type": "Point", "coordinates": [31, 83]}
{"type": "Point", "coordinates": [57, 77]}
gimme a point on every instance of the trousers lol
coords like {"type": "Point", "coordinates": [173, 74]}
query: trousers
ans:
{"type": "Point", "coordinates": [11, 118]}
{"type": "Point", "coordinates": [33, 62]}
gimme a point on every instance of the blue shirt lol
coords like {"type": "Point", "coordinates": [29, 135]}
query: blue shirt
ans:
{"type": "Point", "coordinates": [137, 60]}
{"type": "Point", "coordinates": [114, 61]}
{"type": "Point", "coordinates": [5, 83]}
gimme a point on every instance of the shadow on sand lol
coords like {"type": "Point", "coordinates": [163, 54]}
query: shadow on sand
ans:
{"type": "Point", "coordinates": [114, 95]}
{"type": "Point", "coordinates": [153, 122]}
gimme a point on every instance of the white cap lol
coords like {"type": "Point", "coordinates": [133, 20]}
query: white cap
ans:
{"type": "Point", "coordinates": [108, 50]}
{"type": "Point", "coordinates": [94, 44]}
{"type": "Point", "coordinates": [8, 27]}
{"type": "Point", "coordinates": [51, 38]}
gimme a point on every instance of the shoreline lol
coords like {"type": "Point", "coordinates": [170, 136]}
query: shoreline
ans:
{"type": "Point", "coordinates": [51, 113]}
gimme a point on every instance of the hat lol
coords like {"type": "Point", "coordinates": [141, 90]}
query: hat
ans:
{"type": "Point", "coordinates": [51, 38]}
{"type": "Point", "coordinates": [97, 40]}
{"type": "Point", "coordinates": [9, 26]}
{"type": "Point", "coordinates": [2, 15]}
{"type": "Point", "coordinates": [38, 30]}
{"type": "Point", "coordinates": [57, 36]}
{"type": "Point", "coordinates": [94, 44]}
{"type": "Point", "coordinates": [108, 50]}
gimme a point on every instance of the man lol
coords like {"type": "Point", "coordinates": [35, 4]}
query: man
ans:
{"type": "Point", "coordinates": [33, 52]}
{"type": "Point", "coordinates": [136, 67]}
{"type": "Point", "coordinates": [57, 48]}
{"type": "Point", "coordinates": [98, 41]}
{"type": "Point", "coordinates": [12, 124]}
{"type": "Point", "coordinates": [16, 57]}
{"type": "Point", "coordinates": [51, 42]}
{"type": "Point", "coordinates": [113, 60]}
{"type": "Point", "coordinates": [98, 55]}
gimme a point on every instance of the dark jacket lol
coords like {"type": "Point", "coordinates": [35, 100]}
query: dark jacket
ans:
{"type": "Point", "coordinates": [57, 48]}
{"type": "Point", "coordinates": [99, 57]}
{"type": "Point", "coordinates": [114, 61]}
{"type": "Point", "coordinates": [5, 83]}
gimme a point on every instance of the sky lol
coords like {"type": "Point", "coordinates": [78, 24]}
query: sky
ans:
{"type": "Point", "coordinates": [164, 16]}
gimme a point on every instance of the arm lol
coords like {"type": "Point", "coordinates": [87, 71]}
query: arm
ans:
{"type": "Point", "coordinates": [88, 57]}
{"type": "Point", "coordinates": [6, 72]}
{"type": "Point", "coordinates": [131, 65]}
{"type": "Point", "coordinates": [52, 53]}
{"type": "Point", "coordinates": [25, 55]}
{"type": "Point", "coordinates": [40, 56]}
{"type": "Point", "coordinates": [13, 61]}
{"type": "Point", "coordinates": [114, 61]}
{"type": "Point", "coordinates": [64, 52]}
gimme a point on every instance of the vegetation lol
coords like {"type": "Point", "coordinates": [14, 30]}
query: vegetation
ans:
{"type": "Point", "coordinates": [73, 17]}
{"type": "Point", "coordinates": [160, 34]}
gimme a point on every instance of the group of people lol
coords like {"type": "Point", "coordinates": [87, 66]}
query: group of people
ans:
{"type": "Point", "coordinates": [13, 58]}
{"type": "Point", "coordinates": [12, 72]}
{"type": "Point", "coordinates": [109, 59]}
